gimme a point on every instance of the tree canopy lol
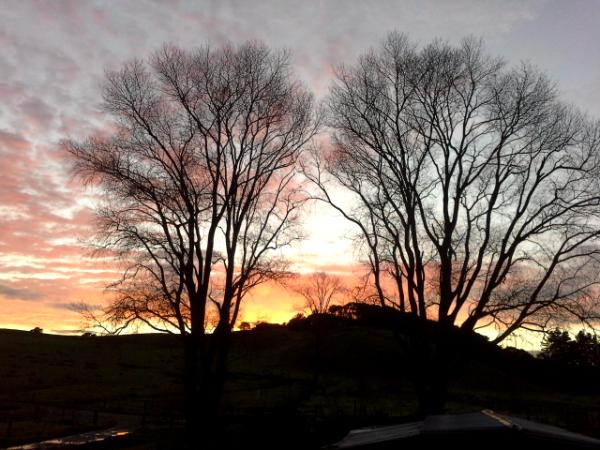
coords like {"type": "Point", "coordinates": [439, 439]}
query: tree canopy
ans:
{"type": "Point", "coordinates": [474, 189]}
{"type": "Point", "coordinates": [200, 194]}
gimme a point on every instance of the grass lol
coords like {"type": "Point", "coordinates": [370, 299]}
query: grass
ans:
{"type": "Point", "coordinates": [53, 385]}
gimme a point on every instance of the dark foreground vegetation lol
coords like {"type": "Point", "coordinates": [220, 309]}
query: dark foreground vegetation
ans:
{"type": "Point", "coordinates": [297, 386]}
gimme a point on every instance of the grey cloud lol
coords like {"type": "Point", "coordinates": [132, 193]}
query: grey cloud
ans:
{"type": "Point", "coordinates": [18, 293]}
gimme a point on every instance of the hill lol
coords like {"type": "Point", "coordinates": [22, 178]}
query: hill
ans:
{"type": "Point", "coordinates": [314, 378]}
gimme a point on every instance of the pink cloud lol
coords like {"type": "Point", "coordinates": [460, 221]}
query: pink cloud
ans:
{"type": "Point", "coordinates": [54, 55]}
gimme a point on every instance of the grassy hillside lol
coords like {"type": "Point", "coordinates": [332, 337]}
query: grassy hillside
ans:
{"type": "Point", "coordinates": [348, 375]}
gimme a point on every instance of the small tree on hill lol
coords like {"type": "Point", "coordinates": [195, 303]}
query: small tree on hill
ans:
{"type": "Point", "coordinates": [319, 291]}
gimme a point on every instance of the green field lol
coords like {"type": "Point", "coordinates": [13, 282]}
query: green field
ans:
{"type": "Point", "coordinates": [56, 385]}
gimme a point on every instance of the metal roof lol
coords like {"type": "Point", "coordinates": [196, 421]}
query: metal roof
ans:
{"type": "Point", "coordinates": [478, 424]}
{"type": "Point", "coordinates": [373, 435]}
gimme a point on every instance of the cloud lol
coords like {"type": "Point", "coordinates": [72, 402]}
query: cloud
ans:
{"type": "Point", "coordinates": [11, 142]}
{"type": "Point", "coordinates": [65, 306]}
{"type": "Point", "coordinates": [52, 63]}
{"type": "Point", "coordinates": [21, 294]}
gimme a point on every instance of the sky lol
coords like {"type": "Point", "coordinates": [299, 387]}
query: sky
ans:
{"type": "Point", "coordinates": [53, 56]}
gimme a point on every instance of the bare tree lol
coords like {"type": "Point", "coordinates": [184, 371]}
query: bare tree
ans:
{"type": "Point", "coordinates": [476, 191]}
{"type": "Point", "coordinates": [319, 291]}
{"type": "Point", "coordinates": [200, 194]}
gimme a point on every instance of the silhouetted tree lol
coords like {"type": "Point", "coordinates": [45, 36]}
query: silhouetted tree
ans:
{"type": "Point", "coordinates": [475, 190]}
{"type": "Point", "coordinates": [557, 346]}
{"type": "Point", "coordinates": [200, 193]}
{"type": "Point", "coordinates": [583, 351]}
{"type": "Point", "coordinates": [319, 291]}
{"type": "Point", "coordinates": [587, 349]}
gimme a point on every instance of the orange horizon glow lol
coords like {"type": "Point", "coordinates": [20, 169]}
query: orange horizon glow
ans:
{"type": "Point", "coordinates": [51, 91]}
{"type": "Point", "coordinates": [269, 302]}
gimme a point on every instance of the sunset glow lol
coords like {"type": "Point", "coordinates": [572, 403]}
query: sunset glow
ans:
{"type": "Point", "coordinates": [53, 59]}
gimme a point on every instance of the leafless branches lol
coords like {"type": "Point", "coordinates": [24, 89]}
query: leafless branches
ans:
{"type": "Point", "coordinates": [474, 188]}
{"type": "Point", "coordinates": [200, 194]}
{"type": "Point", "coordinates": [319, 291]}
{"type": "Point", "coordinates": [199, 181]}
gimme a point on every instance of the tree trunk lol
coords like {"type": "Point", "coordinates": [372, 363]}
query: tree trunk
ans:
{"type": "Point", "coordinates": [205, 369]}
{"type": "Point", "coordinates": [219, 375]}
{"type": "Point", "coordinates": [192, 390]}
{"type": "Point", "coordinates": [433, 359]}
